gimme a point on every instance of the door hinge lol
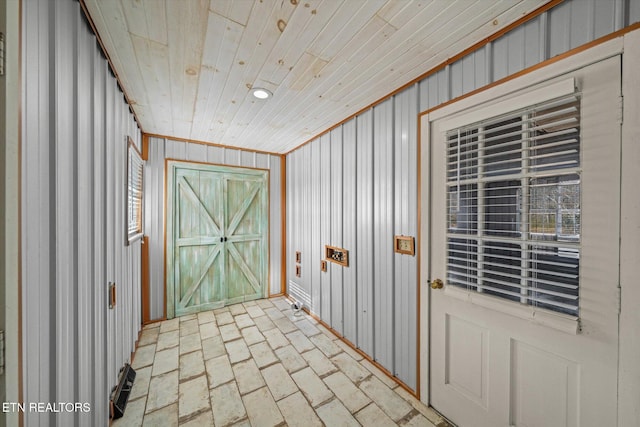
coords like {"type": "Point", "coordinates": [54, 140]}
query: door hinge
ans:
{"type": "Point", "coordinates": [620, 109]}
{"type": "Point", "coordinates": [1, 352]}
{"type": "Point", "coordinates": [619, 299]}
{"type": "Point", "coordinates": [1, 54]}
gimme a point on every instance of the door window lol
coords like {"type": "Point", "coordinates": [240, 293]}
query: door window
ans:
{"type": "Point", "coordinates": [513, 205]}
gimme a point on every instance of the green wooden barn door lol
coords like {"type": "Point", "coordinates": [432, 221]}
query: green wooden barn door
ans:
{"type": "Point", "coordinates": [217, 234]}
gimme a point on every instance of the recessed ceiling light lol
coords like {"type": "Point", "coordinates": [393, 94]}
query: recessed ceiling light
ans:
{"type": "Point", "coordinates": [261, 93]}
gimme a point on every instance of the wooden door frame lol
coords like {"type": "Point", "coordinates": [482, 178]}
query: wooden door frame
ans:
{"type": "Point", "coordinates": [229, 168]}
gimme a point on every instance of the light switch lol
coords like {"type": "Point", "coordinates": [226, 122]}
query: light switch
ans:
{"type": "Point", "coordinates": [404, 245]}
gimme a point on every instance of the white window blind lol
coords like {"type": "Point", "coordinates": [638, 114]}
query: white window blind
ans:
{"type": "Point", "coordinates": [134, 192]}
{"type": "Point", "coordinates": [513, 205]}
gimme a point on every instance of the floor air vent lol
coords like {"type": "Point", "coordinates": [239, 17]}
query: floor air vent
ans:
{"type": "Point", "coordinates": [120, 393]}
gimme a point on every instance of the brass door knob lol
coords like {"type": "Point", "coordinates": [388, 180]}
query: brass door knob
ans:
{"type": "Point", "coordinates": [437, 284]}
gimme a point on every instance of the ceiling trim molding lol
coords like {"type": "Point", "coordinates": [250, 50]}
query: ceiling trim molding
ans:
{"type": "Point", "coordinates": [92, 24]}
{"type": "Point", "coordinates": [538, 66]}
{"type": "Point", "coordinates": [210, 144]}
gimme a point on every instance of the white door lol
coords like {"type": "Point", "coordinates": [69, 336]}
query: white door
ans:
{"type": "Point", "coordinates": [524, 224]}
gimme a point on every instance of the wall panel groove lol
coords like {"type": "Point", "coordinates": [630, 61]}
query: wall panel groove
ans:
{"type": "Point", "coordinates": [74, 125]}
{"type": "Point", "coordinates": [376, 276]}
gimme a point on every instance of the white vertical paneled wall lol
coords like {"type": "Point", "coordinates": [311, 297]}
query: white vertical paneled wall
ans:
{"type": "Point", "coordinates": [161, 149]}
{"type": "Point", "coordinates": [356, 187]}
{"type": "Point", "coordinates": [367, 192]}
{"type": "Point", "coordinates": [568, 25]}
{"type": "Point", "coordinates": [74, 128]}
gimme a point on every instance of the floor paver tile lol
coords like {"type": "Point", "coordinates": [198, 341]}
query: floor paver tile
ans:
{"type": "Point", "coordinates": [418, 420]}
{"type": "Point", "coordinates": [262, 409]}
{"type": "Point", "coordinates": [327, 346]}
{"type": "Point", "coordinates": [229, 332]}
{"type": "Point", "coordinates": [224, 318]}
{"type": "Point", "coordinates": [252, 335]}
{"type": "Point", "coordinates": [307, 328]}
{"type": "Point", "coordinates": [259, 363]}
{"type": "Point", "coordinates": [226, 404]}
{"type": "Point", "coordinates": [193, 396]}
{"type": "Point", "coordinates": [238, 351]}
{"type": "Point", "coordinates": [189, 343]}
{"type": "Point", "coordinates": [300, 341]}
{"type": "Point", "coordinates": [170, 325]}
{"type": "Point", "coordinates": [144, 356]}
{"type": "Point", "coordinates": [347, 349]}
{"type": "Point", "coordinates": [148, 336]}
{"type": "Point", "coordinates": [350, 367]}
{"type": "Point", "coordinates": [209, 330]}
{"type": "Point", "coordinates": [275, 338]}
{"type": "Point", "coordinates": [219, 371]}
{"type": "Point", "coordinates": [264, 323]}
{"type": "Point", "coordinates": [204, 419]}
{"type": "Point", "coordinates": [389, 401]}
{"type": "Point", "coordinates": [264, 303]}
{"type": "Point", "coordinates": [187, 317]}
{"type": "Point", "coordinates": [319, 362]}
{"type": "Point", "coordinates": [236, 309]}
{"type": "Point", "coordinates": [425, 410]}
{"type": "Point", "coordinates": [350, 395]}
{"type": "Point", "coordinates": [168, 340]}
{"type": "Point", "coordinates": [133, 414]}
{"type": "Point", "coordinates": [163, 391]}
{"type": "Point", "coordinates": [141, 384]}
{"type": "Point", "coordinates": [244, 321]}
{"type": "Point", "coordinates": [379, 374]}
{"type": "Point", "coordinates": [279, 382]}
{"type": "Point", "coordinates": [285, 325]}
{"type": "Point", "coordinates": [206, 317]}
{"type": "Point", "coordinates": [334, 413]}
{"type": "Point", "coordinates": [372, 415]}
{"type": "Point", "coordinates": [290, 358]}
{"type": "Point", "coordinates": [262, 354]}
{"type": "Point", "coordinates": [312, 386]}
{"type": "Point", "coordinates": [166, 417]}
{"type": "Point", "coordinates": [297, 412]}
{"type": "Point", "coordinates": [274, 313]}
{"type": "Point", "coordinates": [282, 304]}
{"type": "Point", "coordinates": [165, 361]}
{"type": "Point", "coordinates": [213, 347]}
{"type": "Point", "coordinates": [189, 327]}
{"type": "Point", "coordinates": [254, 311]}
{"type": "Point", "coordinates": [247, 376]}
{"type": "Point", "coordinates": [191, 365]}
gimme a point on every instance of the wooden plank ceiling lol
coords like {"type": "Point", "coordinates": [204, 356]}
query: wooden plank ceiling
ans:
{"type": "Point", "coordinates": [187, 66]}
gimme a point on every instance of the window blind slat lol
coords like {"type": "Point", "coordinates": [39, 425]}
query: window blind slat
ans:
{"type": "Point", "coordinates": [513, 206]}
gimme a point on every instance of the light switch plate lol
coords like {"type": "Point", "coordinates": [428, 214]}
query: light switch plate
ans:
{"type": "Point", "coordinates": [404, 245]}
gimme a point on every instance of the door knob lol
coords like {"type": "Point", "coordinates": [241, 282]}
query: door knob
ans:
{"type": "Point", "coordinates": [437, 284]}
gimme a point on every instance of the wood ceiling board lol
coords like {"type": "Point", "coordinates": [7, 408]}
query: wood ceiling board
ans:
{"type": "Point", "coordinates": [220, 49]}
{"type": "Point", "coordinates": [156, 16]}
{"type": "Point", "coordinates": [428, 22]}
{"type": "Point", "coordinates": [153, 61]}
{"type": "Point", "coordinates": [322, 68]}
{"type": "Point", "coordinates": [342, 27]}
{"type": "Point", "coordinates": [110, 24]}
{"type": "Point", "coordinates": [187, 34]}
{"type": "Point", "coordinates": [258, 38]}
{"type": "Point", "coordinates": [237, 11]}
{"type": "Point", "coordinates": [304, 26]}
{"type": "Point", "coordinates": [135, 15]}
